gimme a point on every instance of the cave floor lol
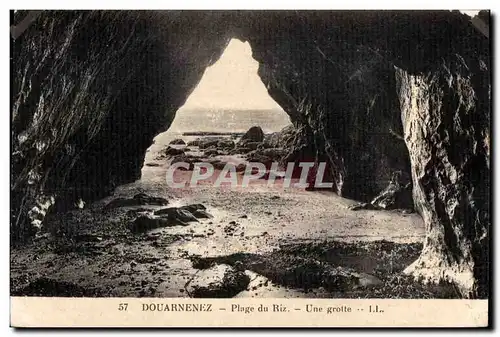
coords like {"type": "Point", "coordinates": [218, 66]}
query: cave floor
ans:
{"type": "Point", "coordinates": [280, 237]}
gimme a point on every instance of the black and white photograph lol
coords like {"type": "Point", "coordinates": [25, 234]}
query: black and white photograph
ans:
{"type": "Point", "coordinates": [306, 154]}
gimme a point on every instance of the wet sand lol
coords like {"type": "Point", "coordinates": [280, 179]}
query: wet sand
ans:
{"type": "Point", "coordinates": [268, 232]}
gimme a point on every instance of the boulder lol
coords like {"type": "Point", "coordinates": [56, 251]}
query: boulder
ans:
{"type": "Point", "coordinates": [255, 157]}
{"type": "Point", "coordinates": [240, 150]}
{"type": "Point", "coordinates": [177, 141]}
{"type": "Point", "coordinates": [168, 217]}
{"type": "Point", "coordinates": [249, 144]}
{"type": "Point", "coordinates": [225, 144]}
{"type": "Point", "coordinates": [283, 138]}
{"type": "Point", "coordinates": [206, 143]}
{"type": "Point", "coordinates": [138, 200]}
{"type": "Point", "coordinates": [186, 213]}
{"type": "Point", "coordinates": [184, 158]}
{"type": "Point", "coordinates": [171, 151]}
{"type": "Point", "coordinates": [211, 152]}
{"type": "Point", "coordinates": [254, 134]}
{"type": "Point", "coordinates": [146, 222]}
{"type": "Point", "coordinates": [397, 195]}
{"type": "Point", "coordinates": [152, 164]}
{"type": "Point", "coordinates": [274, 153]}
{"type": "Point", "coordinates": [195, 142]}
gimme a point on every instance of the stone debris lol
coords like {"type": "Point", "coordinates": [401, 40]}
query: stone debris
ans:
{"type": "Point", "coordinates": [171, 151]}
{"type": "Point", "coordinates": [254, 134]}
{"type": "Point", "coordinates": [169, 217]}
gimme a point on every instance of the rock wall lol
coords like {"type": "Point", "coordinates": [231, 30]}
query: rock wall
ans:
{"type": "Point", "coordinates": [340, 94]}
{"type": "Point", "coordinates": [89, 85]}
{"type": "Point", "coordinates": [362, 86]}
{"type": "Point", "coordinates": [447, 132]}
{"type": "Point", "coordinates": [371, 93]}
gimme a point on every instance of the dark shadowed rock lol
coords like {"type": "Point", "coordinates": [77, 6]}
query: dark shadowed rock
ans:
{"type": "Point", "coordinates": [397, 195]}
{"type": "Point", "coordinates": [186, 213]}
{"type": "Point", "coordinates": [225, 144]}
{"type": "Point", "coordinates": [178, 141]}
{"type": "Point", "coordinates": [152, 164]}
{"type": "Point", "coordinates": [172, 151]}
{"type": "Point", "coordinates": [281, 139]}
{"type": "Point", "coordinates": [195, 142]}
{"type": "Point", "coordinates": [186, 158]}
{"type": "Point", "coordinates": [171, 216]}
{"type": "Point", "coordinates": [209, 142]}
{"type": "Point", "coordinates": [219, 281]}
{"type": "Point", "coordinates": [211, 152]}
{"type": "Point", "coordinates": [276, 154]}
{"type": "Point", "coordinates": [254, 134]}
{"type": "Point", "coordinates": [362, 206]}
{"type": "Point", "coordinates": [257, 157]}
{"type": "Point", "coordinates": [250, 144]}
{"type": "Point", "coordinates": [240, 150]}
{"type": "Point", "coordinates": [148, 222]}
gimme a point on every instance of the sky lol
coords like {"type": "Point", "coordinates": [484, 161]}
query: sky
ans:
{"type": "Point", "coordinates": [469, 12]}
{"type": "Point", "coordinates": [232, 82]}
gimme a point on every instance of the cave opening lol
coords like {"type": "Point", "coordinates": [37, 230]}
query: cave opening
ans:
{"type": "Point", "coordinates": [229, 99]}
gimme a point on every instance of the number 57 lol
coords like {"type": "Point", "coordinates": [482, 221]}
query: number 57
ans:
{"type": "Point", "coordinates": [122, 306]}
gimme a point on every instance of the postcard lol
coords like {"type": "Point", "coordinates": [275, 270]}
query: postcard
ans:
{"type": "Point", "coordinates": [250, 168]}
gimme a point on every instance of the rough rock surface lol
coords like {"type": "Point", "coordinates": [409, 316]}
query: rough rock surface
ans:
{"type": "Point", "coordinates": [396, 195]}
{"type": "Point", "coordinates": [77, 98]}
{"type": "Point", "coordinates": [254, 134]}
{"type": "Point", "coordinates": [172, 151]}
{"type": "Point", "coordinates": [446, 122]}
{"type": "Point", "coordinates": [167, 217]}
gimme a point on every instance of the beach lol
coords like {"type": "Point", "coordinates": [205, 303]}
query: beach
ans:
{"type": "Point", "coordinates": [267, 239]}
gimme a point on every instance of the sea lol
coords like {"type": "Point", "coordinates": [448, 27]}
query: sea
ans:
{"type": "Point", "coordinates": [219, 121]}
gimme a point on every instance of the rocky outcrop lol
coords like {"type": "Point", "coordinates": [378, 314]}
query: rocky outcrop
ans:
{"type": "Point", "coordinates": [178, 141]}
{"type": "Point", "coordinates": [347, 116]}
{"type": "Point", "coordinates": [220, 281]}
{"type": "Point", "coordinates": [168, 217]}
{"type": "Point", "coordinates": [429, 69]}
{"type": "Point", "coordinates": [370, 93]}
{"type": "Point", "coordinates": [394, 196]}
{"type": "Point", "coordinates": [254, 134]}
{"type": "Point", "coordinates": [446, 120]}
